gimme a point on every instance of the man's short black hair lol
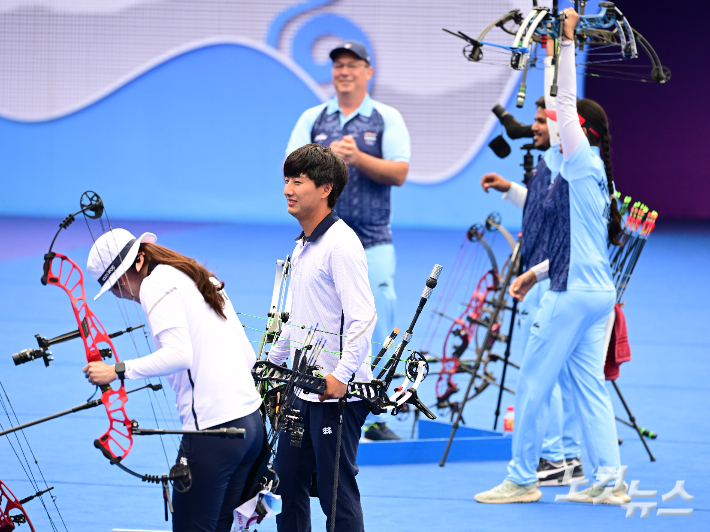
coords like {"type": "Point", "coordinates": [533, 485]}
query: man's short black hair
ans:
{"type": "Point", "coordinates": [321, 166]}
{"type": "Point", "coordinates": [540, 102]}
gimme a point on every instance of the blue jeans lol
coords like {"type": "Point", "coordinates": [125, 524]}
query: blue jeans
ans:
{"type": "Point", "coordinates": [567, 340]}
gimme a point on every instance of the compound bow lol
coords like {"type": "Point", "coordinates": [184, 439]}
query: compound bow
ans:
{"type": "Point", "coordinates": [607, 40]}
{"type": "Point", "coordinates": [468, 328]}
{"type": "Point", "coordinates": [13, 504]}
{"type": "Point", "coordinates": [280, 387]}
{"type": "Point", "coordinates": [116, 443]}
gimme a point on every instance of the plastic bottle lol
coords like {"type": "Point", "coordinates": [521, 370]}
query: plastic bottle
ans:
{"type": "Point", "coordinates": [508, 421]}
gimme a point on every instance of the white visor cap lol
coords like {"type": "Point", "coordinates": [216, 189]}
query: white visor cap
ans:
{"type": "Point", "coordinates": [112, 254]}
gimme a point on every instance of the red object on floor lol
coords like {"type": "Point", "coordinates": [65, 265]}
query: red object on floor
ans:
{"type": "Point", "coordinates": [619, 349]}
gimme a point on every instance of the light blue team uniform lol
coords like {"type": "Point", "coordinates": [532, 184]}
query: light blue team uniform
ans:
{"type": "Point", "coordinates": [568, 330]}
{"type": "Point", "coordinates": [379, 130]}
{"type": "Point", "coordinates": [562, 439]}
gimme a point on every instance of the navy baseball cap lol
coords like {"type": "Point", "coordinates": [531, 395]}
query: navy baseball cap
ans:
{"type": "Point", "coordinates": [353, 47]}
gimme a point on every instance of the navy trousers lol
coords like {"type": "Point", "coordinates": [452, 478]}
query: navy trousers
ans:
{"type": "Point", "coordinates": [219, 468]}
{"type": "Point", "coordinates": [296, 465]}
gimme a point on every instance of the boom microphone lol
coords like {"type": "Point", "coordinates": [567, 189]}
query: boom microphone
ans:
{"type": "Point", "coordinates": [513, 128]}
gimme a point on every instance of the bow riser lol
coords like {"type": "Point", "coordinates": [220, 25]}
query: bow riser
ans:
{"type": "Point", "coordinates": [117, 441]}
{"type": "Point", "coordinates": [7, 522]}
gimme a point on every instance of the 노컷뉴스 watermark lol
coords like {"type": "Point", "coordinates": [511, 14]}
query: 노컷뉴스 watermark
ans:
{"type": "Point", "coordinates": [608, 474]}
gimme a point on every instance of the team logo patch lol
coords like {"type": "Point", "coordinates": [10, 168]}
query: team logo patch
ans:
{"type": "Point", "coordinates": [370, 138]}
{"type": "Point", "coordinates": [321, 137]}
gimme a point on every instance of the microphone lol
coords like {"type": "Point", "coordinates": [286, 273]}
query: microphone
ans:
{"type": "Point", "coordinates": [513, 128]}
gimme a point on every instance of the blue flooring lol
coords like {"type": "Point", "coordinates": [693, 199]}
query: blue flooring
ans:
{"type": "Point", "coordinates": [665, 385]}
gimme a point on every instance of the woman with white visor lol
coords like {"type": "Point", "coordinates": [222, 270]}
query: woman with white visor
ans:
{"type": "Point", "coordinates": [206, 357]}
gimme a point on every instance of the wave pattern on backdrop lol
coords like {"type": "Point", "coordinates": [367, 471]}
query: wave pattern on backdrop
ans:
{"type": "Point", "coordinates": [193, 102]}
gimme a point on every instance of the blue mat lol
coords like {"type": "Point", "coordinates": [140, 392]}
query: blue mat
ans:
{"type": "Point", "coordinates": [429, 446]}
{"type": "Point", "coordinates": [665, 385]}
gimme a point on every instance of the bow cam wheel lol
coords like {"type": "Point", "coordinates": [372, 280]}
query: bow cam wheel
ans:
{"type": "Point", "coordinates": [411, 368]}
{"type": "Point", "coordinates": [182, 476]}
{"type": "Point", "coordinates": [91, 204]}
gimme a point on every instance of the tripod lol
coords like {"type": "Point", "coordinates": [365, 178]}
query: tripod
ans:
{"type": "Point", "coordinates": [632, 423]}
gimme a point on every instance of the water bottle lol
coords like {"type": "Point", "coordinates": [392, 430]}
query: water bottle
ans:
{"type": "Point", "coordinates": [508, 422]}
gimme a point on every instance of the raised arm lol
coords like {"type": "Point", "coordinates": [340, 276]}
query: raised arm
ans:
{"type": "Point", "coordinates": [550, 101]}
{"type": "Point", "coordinates": [571, 134]}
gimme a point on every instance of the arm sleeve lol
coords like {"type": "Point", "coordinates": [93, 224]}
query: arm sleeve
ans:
{"type": "Point", "coordinates": [550, 101]}
{"type": "Point", "coordinates": [301, 134]}
{"type": "Point", "coordinates": [175, 354]}
{"type": "Point", "coordinates": [542, 270]}
{"type": "Point", "coordinates": [396, 144]}
{"type": "Point", "coordinates": [516, 195]}
{"type": "Point", "coordinates": [281, 349]}
{"type": "Point", "coordinates": [571, 134]}
{"type": "Point", "coordinates": [349, 270]}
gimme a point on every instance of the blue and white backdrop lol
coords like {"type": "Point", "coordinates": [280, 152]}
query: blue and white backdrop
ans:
{"type": "Point", "coordinates": [181, 109]}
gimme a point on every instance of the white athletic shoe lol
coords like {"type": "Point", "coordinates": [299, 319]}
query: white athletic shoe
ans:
{"type": "Point", "coordinates": [602, 495]}
{"type": "Point", "coordinates": [509, 492]}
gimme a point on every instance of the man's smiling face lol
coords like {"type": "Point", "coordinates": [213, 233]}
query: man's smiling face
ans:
{"type": "Point", "coordinates": [303, 197]}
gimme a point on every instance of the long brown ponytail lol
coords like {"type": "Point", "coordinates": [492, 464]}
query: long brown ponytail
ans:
{"type": "Point", "coordinates": [190, 267]}
{"type": "Point", "coordinates": [595, 115]}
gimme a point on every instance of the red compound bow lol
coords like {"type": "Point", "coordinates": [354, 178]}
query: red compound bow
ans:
{"type": "Point", "coordinates": [13, 504]}
{"type": "Point", "coordinates": [464, 327]}
{"type": "Point", "coordinates": [117, 441]}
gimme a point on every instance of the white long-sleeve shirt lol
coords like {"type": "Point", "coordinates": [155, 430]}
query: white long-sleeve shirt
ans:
{"type": "Point", "coordinates": [207, 360]}
{"type": "Point", "coordinates": [571, 133]}
{"type": "Point", "coordinates": [330, 289]}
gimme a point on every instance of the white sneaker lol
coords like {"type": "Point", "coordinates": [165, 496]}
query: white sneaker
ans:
{"type": "Point", "coordinates": [602, 495]}
{"type": "Point", "coordinates": [509, 492]}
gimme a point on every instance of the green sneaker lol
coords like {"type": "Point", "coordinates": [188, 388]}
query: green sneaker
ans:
{"type": "Point", "coordinates": [510, 492]}
{"type": "Point", "coordinates": [598, 495]}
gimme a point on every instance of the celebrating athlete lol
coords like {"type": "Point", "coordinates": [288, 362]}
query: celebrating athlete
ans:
{"type": "Point", "coordinates": [561, 445]}
{"type": "Point", "coordinates": [568, 332]}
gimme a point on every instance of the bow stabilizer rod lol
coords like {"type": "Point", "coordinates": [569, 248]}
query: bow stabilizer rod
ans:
{"type": "Point", "coordinates": [231, 432]}
{"type": "Point", "coordinates": [89, 404]}
{"type": "Point", "coordinates": [28, 355]}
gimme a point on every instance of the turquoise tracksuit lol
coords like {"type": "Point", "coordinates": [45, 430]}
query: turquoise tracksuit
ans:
{"type": "Point", "coordinates": [568, 329]}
